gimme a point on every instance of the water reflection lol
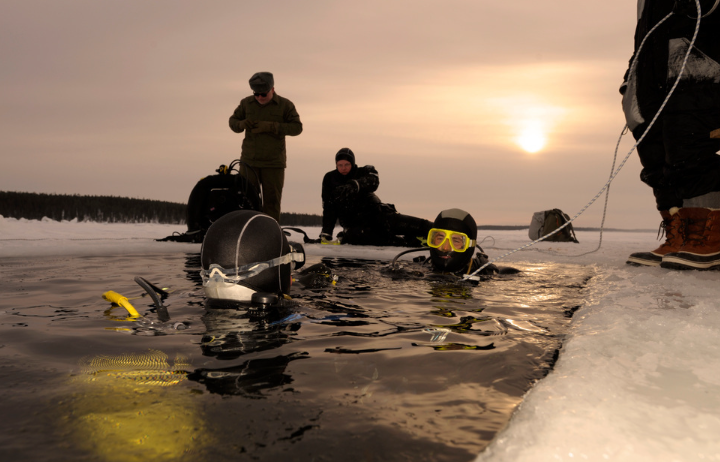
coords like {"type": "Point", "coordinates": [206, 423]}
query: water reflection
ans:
{"type": "Point", "coordinates": [129, 408]}
{"type": "Point", "coordinates": [416, 361]}
{"type": "Point", "coordinates": [250, 378]}
{"type": "Point", "coordinates": [231, 332]}
{"type": "Point", "coordinates": [425, 368]}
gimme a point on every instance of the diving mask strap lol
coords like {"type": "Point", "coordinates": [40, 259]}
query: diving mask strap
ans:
{"type": "Point", "coordinates": [248, 271]}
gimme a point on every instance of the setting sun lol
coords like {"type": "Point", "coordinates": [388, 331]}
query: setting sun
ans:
{"type": "Point", "coordinates": [532, 139]}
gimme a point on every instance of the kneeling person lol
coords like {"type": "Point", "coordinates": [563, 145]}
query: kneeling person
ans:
{"type": "Point", "coordinates": [348, 195]}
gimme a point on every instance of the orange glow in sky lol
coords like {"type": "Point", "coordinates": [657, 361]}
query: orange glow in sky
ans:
{"type": "Point", "coordinates": [482, 106]}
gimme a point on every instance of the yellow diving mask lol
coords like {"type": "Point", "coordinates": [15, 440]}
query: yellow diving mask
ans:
{"type": "Point", "coordinates": [458, 242]}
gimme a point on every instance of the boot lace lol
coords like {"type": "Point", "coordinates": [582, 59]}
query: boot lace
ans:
{"type": "Point", "coordinates": [664, 230]}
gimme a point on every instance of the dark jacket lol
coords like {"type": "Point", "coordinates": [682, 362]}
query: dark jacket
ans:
{"type": "Point", "coordinates": [660, 60]}
{"type": "Point", "coordinates": [266, 150]}
{"type": "Point", "coordinates": [678, 155]}
{"type": "Point", "coordinates": [353, 207]}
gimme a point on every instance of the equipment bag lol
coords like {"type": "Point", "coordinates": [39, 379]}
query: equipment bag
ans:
{"type": "Point", "coordinates": [545, 222]}
{"type": "Point", "coordinates": [215, 196]}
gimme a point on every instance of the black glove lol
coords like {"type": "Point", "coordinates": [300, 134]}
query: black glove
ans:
{"type": "Point", "coordinates": [265, 127]}
{"type": "Point", "coordinates": [239, 125]}
{"type": "Point", "coordinates": [347, 191]}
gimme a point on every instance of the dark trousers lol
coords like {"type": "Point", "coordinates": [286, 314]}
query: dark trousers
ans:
{"type": "Point", "coordinates": [272, 181]}
{"type": "Point", "coordinates": [387, 228]}
{"type": "Point", "coordinates": [679, 158]}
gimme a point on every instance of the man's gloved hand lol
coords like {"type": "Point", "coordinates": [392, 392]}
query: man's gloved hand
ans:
{"type": "Point", "coordinates": [347, 191]}
{"type": "Point", "coordinates": [240, 125]}
{"type": "Point", "coordinates": [264, 127]}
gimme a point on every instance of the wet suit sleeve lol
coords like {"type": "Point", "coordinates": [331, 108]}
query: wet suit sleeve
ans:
{"type": "Point", "coordinates": [368, 180]}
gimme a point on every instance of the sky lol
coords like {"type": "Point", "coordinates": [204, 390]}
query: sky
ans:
{"type": "Point", "coordinates": [132, 98]}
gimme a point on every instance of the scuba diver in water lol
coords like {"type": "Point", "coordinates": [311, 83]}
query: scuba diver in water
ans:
{"type": "Point", "coordinates": [452, 242]}
{"type": "Point", "coordinates": [246, 259]}
{"type": "Point", "coordinates": [348, 195]}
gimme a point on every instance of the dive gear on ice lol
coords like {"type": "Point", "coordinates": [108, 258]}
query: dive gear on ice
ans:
{"type": "Point", "coordinates": [216, 195]}
{"type": "Point", "coordinates": [547, 221]}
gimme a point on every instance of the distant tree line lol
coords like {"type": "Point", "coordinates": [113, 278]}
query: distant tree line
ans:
{"type": "Point", "coordinates": [107, 209]}
{"type": "Point", "coordinates": [110, 209]}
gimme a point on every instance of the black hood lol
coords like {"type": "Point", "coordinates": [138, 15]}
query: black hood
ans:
{"type": "Point", "coordinates": [460, 221]}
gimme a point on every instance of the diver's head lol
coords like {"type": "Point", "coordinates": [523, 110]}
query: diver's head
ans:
{"type": "Point", "coordinates": [344, 161]}
{"type": "Point", "coordinates": [452, 240]}
{"type": "Point", "coordinates": [246, 252]}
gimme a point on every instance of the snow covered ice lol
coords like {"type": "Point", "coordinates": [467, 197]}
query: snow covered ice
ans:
{"type": "Point", "coordinates": [638, 378]}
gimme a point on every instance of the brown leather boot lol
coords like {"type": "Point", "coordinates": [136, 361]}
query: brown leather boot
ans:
{"type": "Point", "coordinates": [673, 228]}
{"type": "Point", "coordinates": [701, 249]}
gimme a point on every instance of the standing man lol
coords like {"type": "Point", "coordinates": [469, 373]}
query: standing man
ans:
{"type": "Point", "coordinates": [679, 154]}
{"type": "Point", "coordinates": [266, 118]}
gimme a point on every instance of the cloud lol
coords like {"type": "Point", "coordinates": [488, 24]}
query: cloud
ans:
{"type": "Point", "coordinates": [147, 87]}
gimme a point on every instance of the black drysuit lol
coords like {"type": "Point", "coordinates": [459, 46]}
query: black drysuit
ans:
{"type": "Point", "coordinates": [678, 155]}
{"type": "Point", "coordinates": [365, 220]}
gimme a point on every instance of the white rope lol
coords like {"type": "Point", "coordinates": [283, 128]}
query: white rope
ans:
{"type": "Point", "coordinates": [474, 276]}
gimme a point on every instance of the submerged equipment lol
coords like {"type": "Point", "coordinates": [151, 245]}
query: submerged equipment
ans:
{"type": "Point", "coordinates": [120, 300]}
{"type": "Point", "coordinates": [246, 252]}
{"type": "Point", "coordinates": [156, 294]}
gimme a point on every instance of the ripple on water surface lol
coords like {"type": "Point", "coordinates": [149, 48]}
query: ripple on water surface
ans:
{"type": "Point", "coordinates": [377, 367]}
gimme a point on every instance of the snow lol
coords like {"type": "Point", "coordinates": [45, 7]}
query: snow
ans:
{"type": "Point", "coordinates": [638, 377]}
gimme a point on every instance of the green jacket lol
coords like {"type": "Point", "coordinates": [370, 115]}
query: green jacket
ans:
{"type": "Point", "coordinates": [266, 149]}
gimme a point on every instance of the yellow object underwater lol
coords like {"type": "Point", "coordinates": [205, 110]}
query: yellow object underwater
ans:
{"type": "Point", "coordinates": [133, 407]}
{"type": "Point", "coordinates": [120, 300]}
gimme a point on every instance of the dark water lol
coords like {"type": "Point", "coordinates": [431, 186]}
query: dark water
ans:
{"type": "Point", "coordinates": [373, 368]}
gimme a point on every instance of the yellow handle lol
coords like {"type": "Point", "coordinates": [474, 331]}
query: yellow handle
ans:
{"type": "Point", "coordinates": [116, 298]}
